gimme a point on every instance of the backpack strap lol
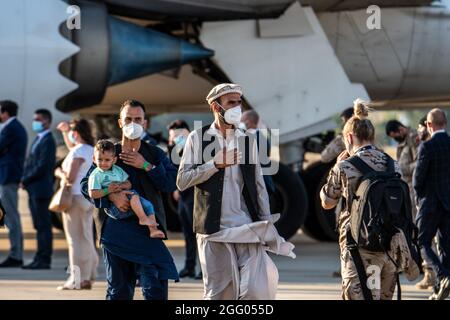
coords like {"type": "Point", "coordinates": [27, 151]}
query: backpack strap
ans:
{"type": "Point", "coordinates": [360, 164]}
{"type": "Point", "coordinates": [357, 260]}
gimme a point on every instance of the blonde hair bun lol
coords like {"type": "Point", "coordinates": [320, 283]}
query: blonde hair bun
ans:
{"type": "Point", "coordinates": [361, 109]}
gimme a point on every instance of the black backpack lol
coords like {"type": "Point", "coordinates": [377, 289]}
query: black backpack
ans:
{"type": "Point", "coordinates": [380, 207]}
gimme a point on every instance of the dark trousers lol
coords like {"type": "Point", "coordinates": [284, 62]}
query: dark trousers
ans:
{"type": "Point", "coordinates": [42, 222]}
{"type": "Point", "coordinates": [431, 222]}
{"type": "Point", "coordinates": [185, 212]}
{"type": "Point", "coordinates": [121, 276]}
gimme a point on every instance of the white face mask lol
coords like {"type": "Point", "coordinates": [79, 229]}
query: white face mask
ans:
{"type": "Point", "coordinates": [132, 131]}
{"type": "Point", "coordinates": [233, 116]}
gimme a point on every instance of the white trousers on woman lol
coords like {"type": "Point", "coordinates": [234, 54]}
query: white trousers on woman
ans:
{"type": "Point", "coordinates": [78, 226]}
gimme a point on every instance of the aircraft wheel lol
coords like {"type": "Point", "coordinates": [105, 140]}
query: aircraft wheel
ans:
{"type": "Point", "coordinates": [291, 200]}
{"type": "Point", "coordinates": [320, 223]}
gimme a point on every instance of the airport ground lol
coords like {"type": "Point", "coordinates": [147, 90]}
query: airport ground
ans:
{"type": "Point", "coordinates": [308, 277]}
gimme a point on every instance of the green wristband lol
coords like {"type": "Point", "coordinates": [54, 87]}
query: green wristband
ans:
{"type": "Point", "coordinates": [105, 191]}
{"type": "Point", "coordinates": [145, 165]}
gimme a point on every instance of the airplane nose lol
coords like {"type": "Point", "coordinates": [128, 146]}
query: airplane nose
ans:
{"type": "Point", "coordinates": [136, 51]}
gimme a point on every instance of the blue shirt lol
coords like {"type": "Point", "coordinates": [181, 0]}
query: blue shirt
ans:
{"type": "Point", "coordinates": [100, 179]}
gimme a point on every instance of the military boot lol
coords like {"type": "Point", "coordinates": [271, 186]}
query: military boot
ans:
{"type": "Point", "coordinates": [428, 281]}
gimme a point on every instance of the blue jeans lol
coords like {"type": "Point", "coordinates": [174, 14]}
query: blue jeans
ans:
{"type": "Point", "coordinates": [115, 213]}
{"type": "Point", "coordinates": [432, 221]}
{"type": "Point", "coordinates": [121, 276]}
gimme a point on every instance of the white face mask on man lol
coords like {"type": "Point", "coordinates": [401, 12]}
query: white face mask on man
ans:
{"type": "Point", "coordinates": [132, 131]}
{"type": "Point", "coordinates": [233, 115]}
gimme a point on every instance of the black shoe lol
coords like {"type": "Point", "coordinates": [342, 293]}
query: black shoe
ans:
{"type": "Point", "coordinates": [37, 265]}
{"type": "Point", "coordinates": [444, 289]}
{"type": "Point", "coordinates": [11, 263]}
{"type": "Point", "coordinates": [199, 276]}
{"type": "Point", "coordinates": [187, 273]}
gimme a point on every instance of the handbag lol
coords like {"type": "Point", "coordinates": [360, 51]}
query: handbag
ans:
{"type": "Point", "coordinates": [62, 199]}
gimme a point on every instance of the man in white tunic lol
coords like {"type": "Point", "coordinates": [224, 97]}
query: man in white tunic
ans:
{"type": "Point", "coordinates": [231, 208]}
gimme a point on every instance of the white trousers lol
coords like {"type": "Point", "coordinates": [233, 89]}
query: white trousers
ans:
{"type": "Point", "coordinates": [235, 264]}
{"type": "Point", "coordinates": [78, 226]}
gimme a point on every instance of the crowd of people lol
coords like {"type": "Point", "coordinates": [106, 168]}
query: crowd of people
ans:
{"type": "Point", "coordinates": [216, 175]}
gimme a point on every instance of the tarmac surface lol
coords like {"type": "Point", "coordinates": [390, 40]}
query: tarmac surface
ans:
{"type": "Point", "coordinates": [308, 277]}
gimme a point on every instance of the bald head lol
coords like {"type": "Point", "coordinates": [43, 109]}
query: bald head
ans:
{"type": "Point", "coordinates": [436, 120]}
{"type": "Point", "coordinates": [250, 118]}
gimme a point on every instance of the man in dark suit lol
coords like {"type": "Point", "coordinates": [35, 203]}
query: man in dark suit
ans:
{"type": "Point", "coordinates": [250, 119]}
{"type": "Point", "coordinates": [178, 132]}
{"type": "Point", "coordinates": [13, 143]}
{"type": "Point", "coordinates": [38, 181]}
{"type": "Point", "coordinates": [432, 185]}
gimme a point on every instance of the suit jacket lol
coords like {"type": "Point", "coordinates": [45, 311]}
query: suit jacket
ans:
{"type": "Point", "coordinates": [39, 167]}
{"type": "Point", "coordinates": [13, 144]}
{"type": "Point", "coordinates": [431, 178]}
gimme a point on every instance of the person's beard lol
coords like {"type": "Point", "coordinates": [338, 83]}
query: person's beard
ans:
{"type": "Point", "coordinates": [400, 139]}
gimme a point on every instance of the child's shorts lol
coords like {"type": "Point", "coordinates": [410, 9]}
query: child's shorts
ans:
{"type": "Point", "coordinates": [115, 213]}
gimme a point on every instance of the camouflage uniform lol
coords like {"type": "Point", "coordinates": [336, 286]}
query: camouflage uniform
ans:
{"type": "Point", "coordinates": [333, 149]}
{"type": "Point", "coordinates": [342, 181]}
{"type": "Point", "coordinates": [407, 157]}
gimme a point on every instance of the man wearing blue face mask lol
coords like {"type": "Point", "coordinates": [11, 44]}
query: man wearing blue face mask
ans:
{"type": "Point", "coordinates": [178, 132]}
{"type": "Point", "coordinates": [37, 179]}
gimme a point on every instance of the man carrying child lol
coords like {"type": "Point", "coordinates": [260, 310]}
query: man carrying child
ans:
{"type": "Point", "coordinates": [128, 250]}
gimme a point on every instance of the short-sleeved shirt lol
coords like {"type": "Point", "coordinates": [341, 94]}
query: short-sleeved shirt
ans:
{"type": "Point", "coordinates": [100, 179]}
{"type": "Point", "coordinates": [80, 151]}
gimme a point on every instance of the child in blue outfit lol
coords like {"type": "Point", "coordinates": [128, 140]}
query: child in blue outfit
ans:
{"type": "Point", "coordinates": [108, 178]}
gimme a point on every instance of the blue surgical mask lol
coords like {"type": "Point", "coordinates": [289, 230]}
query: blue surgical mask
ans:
{"type": "Point", "coordinates": [180, 140]}
{"type": "Point", "coordinates": [37, 126]}
{"type": "Point", "coordinates": [71, 137]}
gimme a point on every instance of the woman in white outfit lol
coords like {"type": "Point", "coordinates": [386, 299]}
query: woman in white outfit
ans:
{"type": "Point", "coordinates": [78, 220]}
